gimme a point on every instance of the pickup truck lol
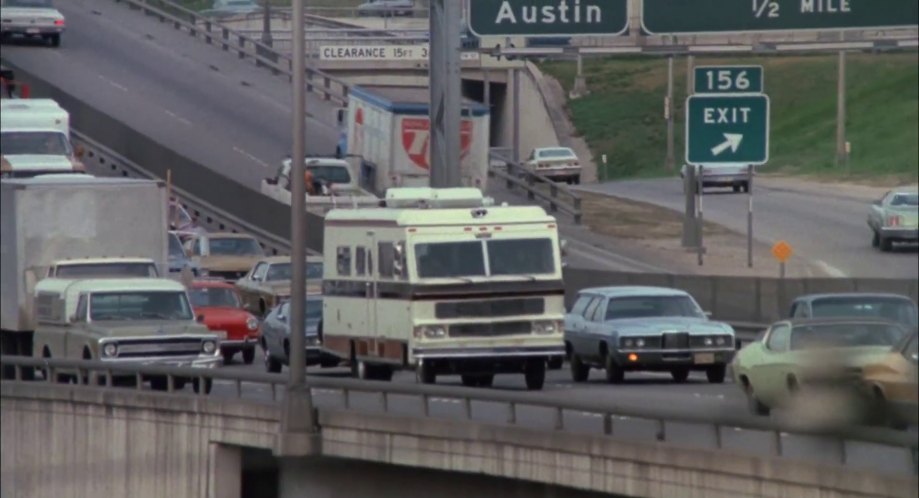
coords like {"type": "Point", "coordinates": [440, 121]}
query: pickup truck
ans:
{"type": "Point", "coordinates": [333, 182]}
{"type": "Point", "coordinates": [32, 19]}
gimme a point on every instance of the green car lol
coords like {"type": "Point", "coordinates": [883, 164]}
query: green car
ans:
{"type": "Point", "coordinates": [795, 355]}
{"type": "Point", "coordinates": [895, 218]}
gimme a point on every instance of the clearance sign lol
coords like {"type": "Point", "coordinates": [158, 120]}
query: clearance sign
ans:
{"type": "Point", "coordinates": [381, 53]}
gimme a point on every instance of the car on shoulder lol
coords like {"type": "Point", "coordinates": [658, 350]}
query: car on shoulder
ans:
{"type": "Point", "coordinates": [225, 255]}
{"type": "Point", "coordinates": [623, 329]}
{"type": "Point", "coordinates": [217, 305]}
{"type": "Point", "coordinates": [386, 8]}
{"type": "Point", "coordinates": [268, 282]}
{"type": "Point", "coordinates": [276, 336]}
{"type": "Point", "coordinates": [736, 176]}
{"type": "Point", "coordinates": [893, 381]}
{"type": "Point", "coordinates": [233, 8]}
{"type": "Point", "coordinates": [559, 164]}
{"type": "Point", "coordinates": [796, 357]}
{"type": "Point", "coordinates": [895, 218]}
{"type": "Point", "coordinates": [31, 19]}
{"type": "Point", "coordinates": [893, 307]}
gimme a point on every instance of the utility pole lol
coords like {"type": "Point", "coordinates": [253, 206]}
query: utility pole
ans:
{"type": "Point", "coordinates": [690, 184]}
{"type": "Point", "coordinates": [668, 113]}
{"type": "Point", "coordinates": [516, 113]}
{"type": "Point", "coordinates": [446, 93]}
{"type": "Point", "coordinates": [298, 409]}
{"type": "Point", "coordinates": [841, 111]}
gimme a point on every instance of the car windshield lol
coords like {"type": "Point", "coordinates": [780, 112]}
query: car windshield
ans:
{"type": "Point", "coordinates": [555, 153]}
{"type": "Point", "coordinates": [467, 259]}
{"type": "Point", "coordinates": [34, 142]}
{"type": "Point", "coordinates": [213, 297]}
{"type": "Point", "coordinates": [106, 270]}
{"type": "Point", "coordinates": [235, 246]}
{"type": "Point", "coordinates": [278, 271]}
{"type": "Point", "coordinates": [28, 3]}
{"type": "Point", "coordinates": [154, 305]}
{"type": "Point", "coordinates": [314, 309]}
{"type": "Point", "coordinates": [842, 335]}
{"type": "Point", "coordinates": [905, 200]}
{"type": "Point", "coordinates": [314, 270]}
{"type": "Point", "coordinates": [331, 174]}
{"type": "Point", "coordinates": [652, 306]}
{"type": "Point", "coordinates": [898, 310]}
{"type": "Point", "coordinates": [175, 246]}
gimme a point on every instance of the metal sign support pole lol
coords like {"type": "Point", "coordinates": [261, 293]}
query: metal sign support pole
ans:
{"type": "Point", "coordinates": [700, 219]}
{"type": "Point", "coordinates": [446, 93]}
{"type": "Point", "coordinates": [669, 112]}
{"type": "Point", "coordinates": [750, 216]}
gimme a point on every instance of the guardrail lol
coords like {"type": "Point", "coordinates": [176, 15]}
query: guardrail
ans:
{"type": "Point", "coordinates": [100, 159]}
{"type": "Point", "coordinates": [100, 374]}
{"type": "Point", "coordinates": [502, 165]}
{"type": "Point", "coordinates": [246, 47]}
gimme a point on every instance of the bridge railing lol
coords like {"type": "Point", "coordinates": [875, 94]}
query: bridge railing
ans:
{"type": "Point", "coordinates": [102, 375]}
{"type": "Point", "coordinates": [245, 46]}
{"type": "Point", "coordinates": [559, 197]}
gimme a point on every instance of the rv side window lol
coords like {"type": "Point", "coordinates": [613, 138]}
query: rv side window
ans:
{"type": "Point", "coordinates": [344, 260]}
{"type": "Point", "coordinates": [360, 260]}
{"type": "Point", "coordinates": [44, 308]}
{"type": "Point", "coordinates": [386, 254]}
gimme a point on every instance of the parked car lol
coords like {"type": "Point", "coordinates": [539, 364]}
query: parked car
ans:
{"type": "Point", "coordinates": [736, 176]}
{"type": "Point", "coordinates": [622, 329]}
{"type": "Point", "coordinates": [796, 355]}
{"type": "Point", "coordinates": [893, 307]}
{"type": "Point", "coordinates": [895, 218]}
{"type": "Point", "coordinates": [224, 255]}
{"type": "Point", "coordinates": [268, 282]}
{"type": "Point", "coordinates": [559, 164]}
{"type": "Point", "coordinates": [217, 305]}
{"type": "Point", "coordinates": [178, 260]}
{"type": "Point", "coordinates": [276, 336]}
{"type": "Point", "coordinates": [893, 381]}
{"type": "Point", "coordinates": [386, 8]}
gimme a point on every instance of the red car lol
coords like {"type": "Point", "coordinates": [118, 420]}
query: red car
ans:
{"type": "Point", "coordinates": [217, 305]}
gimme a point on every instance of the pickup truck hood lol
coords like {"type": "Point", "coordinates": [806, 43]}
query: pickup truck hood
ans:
{"type": "Point", "coordinates": [650, 326]}
{"type": "Point", "coordinates": [25, 13]}
{"type": "Point", "coordinates": [141, 328]}
{"type": "Point", "coordinates": [229, 263]}
{"type": "Point", "coordinates": [38, 162]}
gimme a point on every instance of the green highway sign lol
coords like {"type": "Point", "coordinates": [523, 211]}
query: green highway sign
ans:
{"type": "Point", "coordinates": [728, 79]}
{"type": "Point", "coordinates": [727, 129]}
{"type": "Point", "coordinates": [548, 17]}
{"type": "Point", "coordinates": [661, 17]}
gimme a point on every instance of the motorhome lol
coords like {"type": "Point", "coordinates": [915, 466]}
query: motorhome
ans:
{"type": "Point", "coordinates": [35, 139]}
{"type": "Point", "coordinates": [443, 281]}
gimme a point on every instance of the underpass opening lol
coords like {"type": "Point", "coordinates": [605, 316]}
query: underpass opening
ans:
{"type": "Point", "coordinates": [260, 474]}
{"type": "Point", "coordinates": [475, 90]}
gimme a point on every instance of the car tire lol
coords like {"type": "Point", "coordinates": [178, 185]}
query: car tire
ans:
{"type": "Point", "coordinates": [886, 244]}
{"type": "Point", "coordinates": [736, 189]}
{"type": "Point", "coordinates": [746, 187]}
{"type": "Point", "coordinates": [715, 374]}
{"type": "Point", "coordinates": [556, 362]}
{"type": "Point", "coordinates": [535, 374]}
{"type": "Point", "coordinates": [208, 384]}
{"type": "Point", "coordinates": [579, 371]}
{"type": "Point", "coordinates": [614, 373]}
{"type": "Point", "coordinates": [272, 365]}
{"type": "Point", "coordinates": [680, 375]}
{"type": "Point", "coordinates": [425, 373]}
{"type": "Point", "coordinates": [577, 180]}
{"type": "Point", "coordinates": [55, 40]}
{"type": "Point", "coordinates": [381, 373]}
{"type": "Point", "coordinates": [875, 239]}
{"type": "Point", "coordinates": [228, 357]}
{"type": "Point", "coordinates": [248, 355]}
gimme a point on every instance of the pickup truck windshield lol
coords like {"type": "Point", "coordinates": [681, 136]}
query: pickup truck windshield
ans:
{"type": "Point", "coordinates": [467, 259]}
{"type": "Point", "coordinates": [842, 335]}
{"type": "Point", "coordinates": [278, 271]}
{"type": "Point", "coordinates": [34, 142]}
{"type": "Point", "coordinates": [213, 297]}
{"type": "Point", "coordinates": [898, 310]}
{"type": "Point", "coordinates": [235, 247]}
{"type": "Point", "coordinates": [331, 174]}
{"type": "Point", "coordinates": [107, 270]}
{"type": "Point", "coordinates": [159, 305]}
{"type": "Point", "coordinates": [652, 306]}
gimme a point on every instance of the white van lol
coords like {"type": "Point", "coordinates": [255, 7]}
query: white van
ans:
{"type": "Point", "coordinates": [35, 139]}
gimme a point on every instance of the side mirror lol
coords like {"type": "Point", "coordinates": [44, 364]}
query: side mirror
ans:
{"type": "Point", "coordinates": [563, 246]}
{"type": "Point", "coordinates": [199, 318]}
{"type": "Point", "coordinates": [79, 151]}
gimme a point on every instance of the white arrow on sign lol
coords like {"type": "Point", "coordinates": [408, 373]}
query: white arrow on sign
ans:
{"type": "Point", "coordinates": [731, 141]}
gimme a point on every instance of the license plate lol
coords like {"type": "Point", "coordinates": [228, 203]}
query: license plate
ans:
{"type": "Point", "coordinates": [32, 31]}
{"type": "Point", "coordinates": [704, 358]}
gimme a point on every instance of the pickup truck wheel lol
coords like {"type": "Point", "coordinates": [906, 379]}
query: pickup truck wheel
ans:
{"type": "Point", "coordinates": [249, 355]}
{"type": "Point", "coordinates": [272, 365]}
{"type": "Point", "coordinates": [614, 373]}
{"type": "Point", "coordinates": [228, 357]}
{"type": "Point", "coordinates": [426, 373]}
{"type": "Point", "coordinates": [579, 371]}
{"type": "Point", "coordinates": [679, 375]}
{"type": "Point", "coordinates": [208, 384]}
{"type": "Point", "coordinates": [535, 374]}
{"type": "Point", "coordinates": [54, 40]}
{"type": "Point", "coordinates": [715, 374]}
{"type": "Point", "coordinates": [875, 239]}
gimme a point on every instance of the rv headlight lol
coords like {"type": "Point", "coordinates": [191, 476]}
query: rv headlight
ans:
{"type": "Point", "coordinates": [110, 349]}
{"type": "Point", "coordinates": [640, 343]}
{"type": "Point", "coordinates": [209, 347]}
{"type": "Point", "coordinates": [547, 327]}
{"type": "Point", "coordinates": [709, 341]}
{"type": "Point", "coordinates": [435, 332]}
{"type": "Point", "coordinates": [252, 323]}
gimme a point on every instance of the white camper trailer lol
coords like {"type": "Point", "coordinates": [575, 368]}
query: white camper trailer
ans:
{"type": "Point", "coordinates": [443, 282]}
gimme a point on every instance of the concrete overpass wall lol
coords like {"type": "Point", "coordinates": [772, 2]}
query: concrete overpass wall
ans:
{"type": "Point", "coordinates": [536, 128]}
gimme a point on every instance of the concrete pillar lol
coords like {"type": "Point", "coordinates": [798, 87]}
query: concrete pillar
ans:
{"type": "Point", "coordinates": [580, 82]}
{"type": "Point", "coordinates": [225, 471]}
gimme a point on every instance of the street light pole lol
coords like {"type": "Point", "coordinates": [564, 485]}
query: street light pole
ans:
{"type": "Point", "coordinates": [266, 24]}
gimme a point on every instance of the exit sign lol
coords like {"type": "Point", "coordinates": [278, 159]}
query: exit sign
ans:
{"type": "Point", "coordinates": [660, 17]}
{"type": "Point", "coordinates": [722, 129]}
{"type": "Point", "coordinates": [728, 79]}
{"type": "Point", "coordinates": [548, 17]}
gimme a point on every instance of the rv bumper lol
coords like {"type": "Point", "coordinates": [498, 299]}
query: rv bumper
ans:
{"type": "Point", "coordinates": [486, 353]}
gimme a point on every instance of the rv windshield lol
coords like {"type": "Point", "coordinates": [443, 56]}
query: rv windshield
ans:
{"type": "Point", "coordinates": [467, 259]}
{"type": "Point", "coordinates": [46, 4]}
{"type": "Point", "coordinates": [107, 270]}
{"type": "Point", "coordinates": [34, 142]}
{"type": "Point", "coordinates": [139, 306]}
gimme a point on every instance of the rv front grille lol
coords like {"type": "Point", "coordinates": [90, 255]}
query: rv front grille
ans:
{"type": "Point", "coordinates": [490, 329]}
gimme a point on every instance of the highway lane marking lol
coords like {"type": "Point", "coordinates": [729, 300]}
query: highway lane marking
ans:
{"type": "Point", "coordinates": [250, 156]}
{"type": "Point", "coordinates": [177, 117]}
{"type": "Point", "coordinates": [114, 84]}
{"type": "Point", "coordinates": [701, 395]}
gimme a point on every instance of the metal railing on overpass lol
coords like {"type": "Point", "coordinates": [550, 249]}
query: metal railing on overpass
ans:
{"type": "Point", "coordinates": [102, 375]}
{"type": "Point", "coordinates": [559, 197]}
{"type": "Point", "coordinates": [246, 47]}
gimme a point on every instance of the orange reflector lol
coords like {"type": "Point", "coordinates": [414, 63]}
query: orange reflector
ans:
{"type": "Point", "coordinates": [633, 357]}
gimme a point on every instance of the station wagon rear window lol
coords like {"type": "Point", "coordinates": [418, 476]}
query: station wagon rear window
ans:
{"type": "Point", "coordinates": [555, 154]}
{"type": "Point", "coordinates": [159, 305]}
{"type": "Point", "coordinates": [898, 310]}
{"type": "Point", "coordinates": [845, 335]}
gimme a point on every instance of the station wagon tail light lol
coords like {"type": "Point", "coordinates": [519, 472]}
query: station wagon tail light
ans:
{"type": "Point", "coordinates": [252, 323]}
{"type": "Point", "coordinates": [110, 350]}
{"type": "Point", "coordinates": [58, 22]}
{"type": "Point", "coordinates": [893, 221]}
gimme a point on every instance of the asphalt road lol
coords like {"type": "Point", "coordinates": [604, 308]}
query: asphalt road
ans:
{"type": "Point", "coordinates": [827, 227]}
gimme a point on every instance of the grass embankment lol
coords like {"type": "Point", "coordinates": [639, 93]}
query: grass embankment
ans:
{"type": "Point", "coordinates": [622, 117]}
